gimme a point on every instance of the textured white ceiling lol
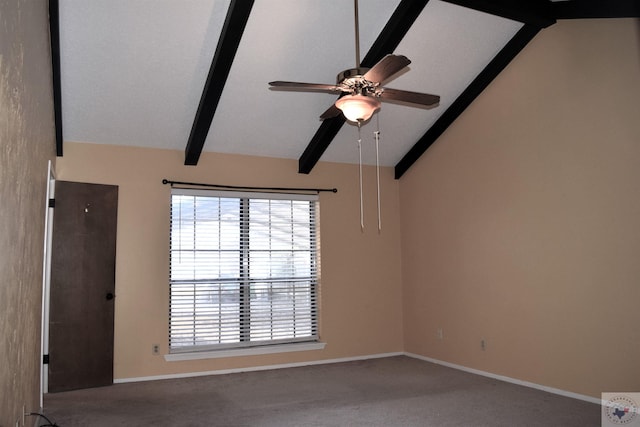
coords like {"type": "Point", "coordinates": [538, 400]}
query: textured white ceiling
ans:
{"type": "Point", "coordinates": [133, 72]}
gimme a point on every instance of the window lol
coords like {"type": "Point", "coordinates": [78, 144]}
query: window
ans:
{"type": "Point", "coordinates": [243, 270]}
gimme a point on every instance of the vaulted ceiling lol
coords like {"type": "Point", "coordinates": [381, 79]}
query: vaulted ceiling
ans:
{"type": "Point", "coordinates": [193, 75]}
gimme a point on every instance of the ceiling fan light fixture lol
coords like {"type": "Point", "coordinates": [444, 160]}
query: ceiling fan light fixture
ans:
{"type": "Point", "coordinates": [358, 108]}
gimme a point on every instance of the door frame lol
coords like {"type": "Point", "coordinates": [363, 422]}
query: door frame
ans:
{"type": "Point", "coordinates": [46, 281]}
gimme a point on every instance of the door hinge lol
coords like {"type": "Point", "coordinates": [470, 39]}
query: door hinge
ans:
{"type": "Point", "coordinates": [52, 203]}
{"type": "Point", "coordinates": [45, 359]}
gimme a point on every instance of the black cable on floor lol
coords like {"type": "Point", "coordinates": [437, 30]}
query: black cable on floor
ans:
{"type": "Point", "coordinates": [36, 414]}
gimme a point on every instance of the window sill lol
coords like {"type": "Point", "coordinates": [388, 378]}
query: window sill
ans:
{"type": "Point", "coordinates": [254, 351]}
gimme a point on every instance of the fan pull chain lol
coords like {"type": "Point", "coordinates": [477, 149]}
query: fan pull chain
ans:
{"type": "Point", "coordinates": [377, 137]}
{"type": "Point", "coordinates": [360, 169]}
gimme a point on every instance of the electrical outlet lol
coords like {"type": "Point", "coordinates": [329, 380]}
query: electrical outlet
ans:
{"type": "Point", "coordinates": [155, 349]}
{"type": "Point", "coordinates": [483, 344]}
{"type": "Point", "coordinates": [440, 333]}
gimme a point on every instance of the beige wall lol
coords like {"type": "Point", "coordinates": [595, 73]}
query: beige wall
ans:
{"type": "Point", "coordinates": [521, 225]}
{"type": "Point", "coordinates": [26, 144]}
{"type": "Point", "coordinates": [360, 289]}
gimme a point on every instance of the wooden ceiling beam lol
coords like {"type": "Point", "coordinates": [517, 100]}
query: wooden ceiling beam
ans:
{"type": "Point", "coordinates": [232, 30]}
{"type": "Point", "coordinates": [596, 9]}
{"type": "Point", "coordinates": [533, 12]}
{"type": "Point", "coordinates": [490, 72]}
{"type": "Point", "coordinates": [394, 31]}
{"type": "Point", "coordinates": [54, 30]}
{"type": "Point", "coordinates": [535, 18]}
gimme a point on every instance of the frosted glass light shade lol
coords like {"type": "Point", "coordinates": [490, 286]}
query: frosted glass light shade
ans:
{"type": "Point", "coordinates": [358, 108]}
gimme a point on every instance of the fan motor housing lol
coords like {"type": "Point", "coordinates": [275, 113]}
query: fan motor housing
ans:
{"type": "Point", "coordinates": [351, 73]}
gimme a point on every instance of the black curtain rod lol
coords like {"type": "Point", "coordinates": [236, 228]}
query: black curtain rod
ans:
{"type": "Point", "coordinates": [234, 187]}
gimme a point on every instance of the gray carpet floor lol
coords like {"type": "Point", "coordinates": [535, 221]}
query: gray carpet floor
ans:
{"type": "Point", "coordinates": [395, 391]}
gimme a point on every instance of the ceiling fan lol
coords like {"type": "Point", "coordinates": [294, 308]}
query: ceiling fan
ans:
{"type": "Point", "coordinates": [360, 88]}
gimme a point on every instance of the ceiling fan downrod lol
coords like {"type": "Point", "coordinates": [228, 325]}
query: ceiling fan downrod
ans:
{"type": "Point", "coordinates": [357, 33]}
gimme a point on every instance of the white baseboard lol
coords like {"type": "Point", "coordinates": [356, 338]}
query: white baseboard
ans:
{"type": "Point", "coordinates": [508, 379]}
{"type": "Point", "coordinates": [255, 368]}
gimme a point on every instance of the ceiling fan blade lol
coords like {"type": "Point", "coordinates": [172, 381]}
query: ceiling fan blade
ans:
{"type": "Point", "coordinates": [386, 67]}
{"type": "Point", "coordinates": [331, 112]}
{"type": "Point", "coordinates": [410, 97]}
{"type": "Point", "coordinates": [320, 87]}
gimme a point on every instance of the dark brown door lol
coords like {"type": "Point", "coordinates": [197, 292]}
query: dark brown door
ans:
{"type": "Point", "coordinates": [82, 286]}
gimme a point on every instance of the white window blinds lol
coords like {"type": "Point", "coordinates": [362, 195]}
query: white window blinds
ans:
{"type": "Point", "coordinates": [243, 269]}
